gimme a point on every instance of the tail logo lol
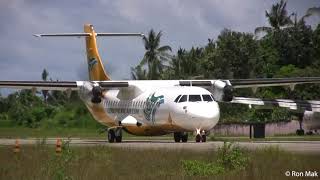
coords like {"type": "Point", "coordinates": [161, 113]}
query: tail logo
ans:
{"type": "Point", "coordinates": [92, 63]}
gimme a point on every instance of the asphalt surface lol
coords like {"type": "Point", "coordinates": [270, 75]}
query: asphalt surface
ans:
{"type": "Point", "coordinates": [292, 146]}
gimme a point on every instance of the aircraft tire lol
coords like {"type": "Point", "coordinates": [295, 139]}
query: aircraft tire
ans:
{"type": "Point", "coordinates": [177, 136]}
{"type": "Point", "coordinates": [198, 138]}
{"type": "Point", "coordinates": [203, 138]}
{"type": "Point", "coordinates": [184, 137]}
{"type": "Point", "coordinates": [111, 136]}
{"type": "Point", "coordinates": [118, 138]}
{"type": "Point", "coordinates": [118, 134]}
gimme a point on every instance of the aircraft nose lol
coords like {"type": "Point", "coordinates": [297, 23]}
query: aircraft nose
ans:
{"type": "Point", "coordinates": [209, 112]}
{"type": "Point", "coordinates": [205, 112]}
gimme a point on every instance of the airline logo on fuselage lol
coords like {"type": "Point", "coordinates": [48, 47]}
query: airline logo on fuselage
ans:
{"type": "Point", "coordinates": [153, 103]}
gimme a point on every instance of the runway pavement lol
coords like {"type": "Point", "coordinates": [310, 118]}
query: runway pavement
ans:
{"type": "Point", "coordinates": [292, 146]}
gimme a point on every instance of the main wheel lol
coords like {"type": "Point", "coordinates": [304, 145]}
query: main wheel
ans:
{"type": "Point", "coordinates": [184, 137]}
{"type": "Point", "coordinates": [177, 136]}
{"type": "Point", "coordinates": [118, 138]}
{"type": "Point", "coordinates": [118, 134]}
{"type": "Point", "coordinates": [203, 138]}
{"type": "Point", "coordinates": [111, 136]}
{"type": "Point", "coordinates": [198, 138]}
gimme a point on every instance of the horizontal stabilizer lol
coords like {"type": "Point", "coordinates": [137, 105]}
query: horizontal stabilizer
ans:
{"type": "Point", "coordinates": [63, 35]}
{"type": "Point", "coordinates": [87, 34]}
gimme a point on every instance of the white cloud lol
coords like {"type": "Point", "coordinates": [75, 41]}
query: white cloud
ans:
{"type": "Point", "coordinates": [184, 24]}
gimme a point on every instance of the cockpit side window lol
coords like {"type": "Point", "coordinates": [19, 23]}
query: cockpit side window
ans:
{"type": "Point", "coordinates": [176, 100]}
{"type": "Point", "coordinates": [194, 98]}
{"type": "Point", "coordinates": [206, 97]}
{"type": "Point", "coordinates": [184, 98]}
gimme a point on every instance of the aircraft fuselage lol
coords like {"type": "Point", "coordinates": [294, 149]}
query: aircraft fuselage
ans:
{"type": "Point", "coordinates": [157, 111]}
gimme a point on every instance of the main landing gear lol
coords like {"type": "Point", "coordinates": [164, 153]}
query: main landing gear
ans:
{"type": "Point", "coordinates": [180, 136]}
{"type": "Point", "coordinates": [201, 136]}
{"type": "Point", "coordinates": [115, 134]}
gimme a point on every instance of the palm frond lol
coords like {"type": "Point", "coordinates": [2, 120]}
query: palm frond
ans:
{"type": "Point", "coordinates": [314, 11]}
{"type": "Point", "coordinates": [262, 29]}
{"type": "Point", "coordinates": [164, 48]}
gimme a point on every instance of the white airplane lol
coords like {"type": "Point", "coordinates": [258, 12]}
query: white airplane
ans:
{"type": "Point", "coordinates": [149, 107]}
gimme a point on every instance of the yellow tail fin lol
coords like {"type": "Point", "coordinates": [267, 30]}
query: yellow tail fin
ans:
{"type": "Point", "coordinates": [95, 66]}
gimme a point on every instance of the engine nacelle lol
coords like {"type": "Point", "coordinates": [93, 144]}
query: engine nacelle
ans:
{"type": "Point", "coordinates": [96, 94]}
{"type": "Point", "coordinates": [222, 92]}
{"type": "Point", "coordinates": [91, 92]}
{"type": "Point", "coordinates": [311, 120]}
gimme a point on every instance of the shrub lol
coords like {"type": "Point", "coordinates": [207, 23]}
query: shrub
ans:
{"type": "Point", "coordinates": [231, 157]}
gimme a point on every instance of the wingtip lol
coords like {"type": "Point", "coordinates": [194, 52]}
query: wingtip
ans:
{"type": "Point", "coordinates": [37, 35]}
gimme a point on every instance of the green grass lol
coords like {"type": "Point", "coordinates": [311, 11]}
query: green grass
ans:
{"type": "Point", "coordinates": [101, 162]}
{"type": "Point", "coordinates": [268, 138]}
{"type": "Point", "coordinates": [23, 132]}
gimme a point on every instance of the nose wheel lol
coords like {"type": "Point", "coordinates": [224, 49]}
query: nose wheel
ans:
{"type": "Point", "coordinates": [201, 136]}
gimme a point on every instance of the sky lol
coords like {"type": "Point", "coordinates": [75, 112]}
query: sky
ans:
{"type": "Point", "coordinates": [184, 23]}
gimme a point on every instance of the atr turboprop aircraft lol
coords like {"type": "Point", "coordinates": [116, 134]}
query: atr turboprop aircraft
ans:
{"type": "Point", "coordinates": [155, 107]}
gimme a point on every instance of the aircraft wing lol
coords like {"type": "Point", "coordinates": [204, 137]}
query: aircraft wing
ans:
{"type": "Point", "coordinates": [234, 83]}
{"type": "Point", "coordinates": [286, 103]}
{"type": "Point", "coordinates": [267, 82]}
{"type": "Point", "coordinates": [59, 85]}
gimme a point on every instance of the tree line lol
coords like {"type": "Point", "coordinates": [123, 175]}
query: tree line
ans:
{"type": "Point", "coordinates": [288, 47]}
{"type": "Point", "coordinates": [45, 109]}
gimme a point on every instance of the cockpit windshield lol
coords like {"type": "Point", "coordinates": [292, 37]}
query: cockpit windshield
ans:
{"type": "Point", "coordinates": [184, 98]}
{"type": "Point", "coordinates": [206, 97]}
{"type": "Point", "coordinates": [194, 98]}
{"type": "Point", "coordinates": [176, 100]}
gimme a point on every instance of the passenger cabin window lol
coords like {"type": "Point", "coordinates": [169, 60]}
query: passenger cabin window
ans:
{"type": "Point", "coordinates": [176, 100]}
{"type": "Point", "coordinates": [184, 98]}
{"type": "Point", "coordinates": [206, 97]}
{"type": "Point", "coordinates": [194, 98]}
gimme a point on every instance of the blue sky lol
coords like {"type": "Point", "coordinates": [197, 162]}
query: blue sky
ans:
{"type": "Point", "coordinates": [184, 24]}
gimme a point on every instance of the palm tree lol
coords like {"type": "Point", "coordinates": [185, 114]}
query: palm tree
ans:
{"type": "Point", "coordinates": [176, 63]}
{"type": "Point", "coordinates": [277, 18]}
{"type": "Point", "coordinates": [155, 54]}
{"type": "Point", "coordinates": [138, 73]}
{"type": "Point", "coordinates": [44, 77]}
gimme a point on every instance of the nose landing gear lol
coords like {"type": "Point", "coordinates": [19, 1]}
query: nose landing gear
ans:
{"type": "Point", "coordinates": [201, 136]}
